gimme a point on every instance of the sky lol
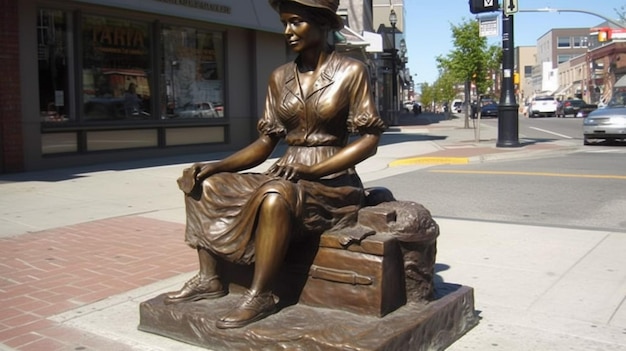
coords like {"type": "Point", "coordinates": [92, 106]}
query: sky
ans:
{"type": "Point", "coordinates": [428, 33]}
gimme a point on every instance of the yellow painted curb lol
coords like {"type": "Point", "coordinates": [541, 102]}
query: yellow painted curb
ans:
{"type": "Point", "coordinates": [430, 161]}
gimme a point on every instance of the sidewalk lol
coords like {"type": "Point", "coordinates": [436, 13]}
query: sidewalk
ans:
{"type": "Point", "coordinates": [80, 248]}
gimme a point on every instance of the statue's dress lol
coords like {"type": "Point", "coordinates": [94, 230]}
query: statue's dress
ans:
{"type": "Point", "coordinates": [222, 215]}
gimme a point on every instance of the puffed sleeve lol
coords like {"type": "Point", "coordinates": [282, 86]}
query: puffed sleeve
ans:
{"type": "Point", "coordinates": [270, 124]}
{"type": "Point", "coordinates": [364, 117]}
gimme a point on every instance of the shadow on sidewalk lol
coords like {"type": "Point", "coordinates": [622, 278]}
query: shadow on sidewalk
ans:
{"type": "Point", "coordinates": [391, 138]}
{"type": "Point", "coordinates": [423, 119]}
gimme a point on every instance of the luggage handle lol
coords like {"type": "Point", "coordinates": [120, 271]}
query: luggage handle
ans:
{"type": "Point", "coordinates": [339, 276]}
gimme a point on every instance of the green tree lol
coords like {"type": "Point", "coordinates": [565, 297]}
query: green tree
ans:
{"type": "Point", "coordinates": [428, 96]}
{"type": "Point", "coordinates": [471, 60]}
{"type": "Point", "coordinates": [445, 89]}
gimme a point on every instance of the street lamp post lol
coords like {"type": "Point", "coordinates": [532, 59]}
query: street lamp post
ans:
{"type": "Point", "coordinates": [508, 129]}
{"type": "Point", "coordinates": [403, 67]}
{"type": "Point", "coordinates": [393, 19]}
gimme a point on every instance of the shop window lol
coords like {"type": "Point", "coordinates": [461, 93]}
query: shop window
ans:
{"type": "Point", "coordinates": [116, 69]}
{"type": "Point", "coordinates": [52, 59]}
{"type": "Point", "coordinates": [192, 74]}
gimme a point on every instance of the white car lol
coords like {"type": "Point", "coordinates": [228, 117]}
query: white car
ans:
{"type": "Point", "coordinates": [543, 106]}
{"type": "Point", "coordinates": [408, 106]}
{"type": "Point", "coordinates": [457, 106]}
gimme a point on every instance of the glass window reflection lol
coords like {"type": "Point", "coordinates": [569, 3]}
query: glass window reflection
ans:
{"type": "Point", "coordinates": [52, 65]}
{"type": "Point", "coordinates": [192, 74]}
{"type": "Point", "coordinates": [116, 69]}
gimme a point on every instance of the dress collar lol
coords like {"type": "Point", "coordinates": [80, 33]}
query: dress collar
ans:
{"type": "Point", "coordinates": [328, 69]}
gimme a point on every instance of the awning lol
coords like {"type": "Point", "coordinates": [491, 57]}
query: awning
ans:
{"type": "Point", "coordinates": [621, 83]}
{"type": "Point", "coordinates": [375, 40]}
{"type": "Point", "coordinates": [349, 37]}
{"type": "Point", "coordinates": [563, 90]}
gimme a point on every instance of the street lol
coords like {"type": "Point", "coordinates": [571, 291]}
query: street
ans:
{"type": "Point", "coordinates": [581, 189]}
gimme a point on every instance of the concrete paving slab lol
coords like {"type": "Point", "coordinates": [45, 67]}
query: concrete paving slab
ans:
{"type": "Point", "coordinates": [117, 317]}
{"type": "Point", "coordinates": [513, 330]}
{"type": "Point", "coordinates": [595, 284]}
{"type": "Point", "coordinates": [544, 305]}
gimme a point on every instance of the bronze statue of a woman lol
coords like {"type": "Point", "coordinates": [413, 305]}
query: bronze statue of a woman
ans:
{"type": "Point", "coordinates": [314, 104]}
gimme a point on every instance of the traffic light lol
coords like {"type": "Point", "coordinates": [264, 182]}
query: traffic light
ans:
{"type": "Point", "coordinates": [480, 6]}
{"type": "Point", "coordinates": [604, 35]}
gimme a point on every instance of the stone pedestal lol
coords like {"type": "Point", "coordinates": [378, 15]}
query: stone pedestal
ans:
{"type": "Point", "coordinates": [433, 325]}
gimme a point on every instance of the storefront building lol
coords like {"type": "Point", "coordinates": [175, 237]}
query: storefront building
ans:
{"type": "Point", "coordinates": [97, 81]}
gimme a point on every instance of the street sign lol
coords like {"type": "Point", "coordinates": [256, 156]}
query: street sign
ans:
{"type": "Point", "coordinates": [480, 6]}
{"type": "Point", "coordinates": [510, 7]}
{"type": "Point", "coordinates": [488, 27]}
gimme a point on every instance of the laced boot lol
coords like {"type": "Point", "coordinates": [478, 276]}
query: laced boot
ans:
{"type": "Point", "coordinates": [250, 308]}
{"type": "Point", "coordinates": [197, 288]}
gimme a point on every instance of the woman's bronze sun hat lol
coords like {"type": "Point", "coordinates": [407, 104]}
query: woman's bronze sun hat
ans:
{"type": "Point", "coordinates": [329, 6]}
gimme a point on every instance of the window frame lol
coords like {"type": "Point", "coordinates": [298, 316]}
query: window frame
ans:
{"type": "Point", "coordinates": [560, 42]}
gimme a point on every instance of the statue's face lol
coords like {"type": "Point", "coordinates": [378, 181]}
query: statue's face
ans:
{"type": "Point", "coordinates": [300, 32]}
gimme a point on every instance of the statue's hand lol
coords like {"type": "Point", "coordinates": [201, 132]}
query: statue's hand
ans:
{"type": "Point", "coordinates": [292, 172]}
{"type": "Point", "coordinates": [187, 181]}
{"type": "Point", "coordinates": [204, 170]}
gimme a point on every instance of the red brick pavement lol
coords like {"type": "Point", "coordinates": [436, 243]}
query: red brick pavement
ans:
{"type": "Point", "coordinates": [49, 272]}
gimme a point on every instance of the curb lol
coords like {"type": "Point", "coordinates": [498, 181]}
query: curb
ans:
{"type": "Point", "coordinates": [430, 161]}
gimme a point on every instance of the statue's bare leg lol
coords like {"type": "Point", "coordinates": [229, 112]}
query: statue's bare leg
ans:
{"type": "Point", "coordinates": [204, 285]}
{"type": "Point", "coordinates": [271, 242]}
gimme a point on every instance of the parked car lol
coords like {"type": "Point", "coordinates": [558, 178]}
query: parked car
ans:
{"type": "Point", "coordinates": [608, 124]}
{"type": "Point", "coordinates": [489, 110]}
{"type": "Point", "coordinates": [408, 106]}
{"type": "Point", "coordinates": [586, 110]}
{"type": "Point", "coordinates": [457, 106]}
{"type": "Point", "coordinates": [543, 106]}
{"type": "Point", "coordinates": [200, 110]}
{"type": "Point", "coordinates": [572, 107]}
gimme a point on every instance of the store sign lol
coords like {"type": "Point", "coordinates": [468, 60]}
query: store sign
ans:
{"type": "Point", "coordinates": [199, 4]}
{"type": "Point", "coordinates": [114, 39]}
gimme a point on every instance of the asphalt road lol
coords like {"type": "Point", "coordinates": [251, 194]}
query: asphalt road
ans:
{"type": "Point", "coordinates": [583, 189]}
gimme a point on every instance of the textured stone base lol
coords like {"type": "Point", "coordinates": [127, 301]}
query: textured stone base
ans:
{"type": "Point", "coordinates": [432, 326]}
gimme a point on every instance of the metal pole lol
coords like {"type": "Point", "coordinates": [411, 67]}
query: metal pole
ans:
{"type": "Point", "coordinates": [508, 115]}
{"type": "Point", "coordinates": [548, 9]}
{"type": "Point", "coordinates": [394, 78]}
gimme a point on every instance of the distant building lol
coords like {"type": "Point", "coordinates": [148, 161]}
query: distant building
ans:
{"type": "Point", "coordinates": [558, 45]}
{"type": "Point", "coordinates": [525, 58]}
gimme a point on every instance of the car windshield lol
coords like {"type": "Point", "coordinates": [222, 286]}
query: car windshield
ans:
{"type": "Point", "coordinates": [544, 98]}
{"type": "Point", "coordinates": [617, 101]}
